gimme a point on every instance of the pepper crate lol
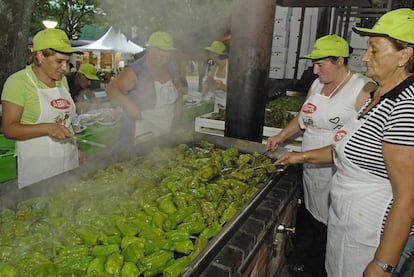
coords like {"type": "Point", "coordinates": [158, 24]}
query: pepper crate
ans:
{"type": "Point", "coordinates": [204, 124]}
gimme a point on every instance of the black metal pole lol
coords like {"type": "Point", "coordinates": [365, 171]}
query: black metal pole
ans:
{"type": "Point", "coordinates": [249, 60]}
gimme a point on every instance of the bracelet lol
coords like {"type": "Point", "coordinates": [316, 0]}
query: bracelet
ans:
{"type": "Point", "coordinates": [385, 267]}
{"type": "Point", "coordinates": [304, 157]}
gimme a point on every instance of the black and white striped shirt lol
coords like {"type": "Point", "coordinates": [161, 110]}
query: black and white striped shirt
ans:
{"type": "Point", "coordinates": [390, 121]}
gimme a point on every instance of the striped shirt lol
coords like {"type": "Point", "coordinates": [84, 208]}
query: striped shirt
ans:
{"type": "Point", "coordinates": [390, 121]}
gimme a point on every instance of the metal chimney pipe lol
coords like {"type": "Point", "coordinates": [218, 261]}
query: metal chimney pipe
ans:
{"type": "Point", "coordinates": [249, 60]}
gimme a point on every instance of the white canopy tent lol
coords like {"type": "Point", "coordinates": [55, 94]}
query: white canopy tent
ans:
{"type": "Point", "coordinates": [112, 41]}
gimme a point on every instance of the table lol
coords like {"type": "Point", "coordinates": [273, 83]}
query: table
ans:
{"type": "Point", "coordinates": [7, 159]}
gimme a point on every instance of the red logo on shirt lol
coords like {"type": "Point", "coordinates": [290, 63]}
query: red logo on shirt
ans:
{"type": "Point", "coordinates": [339, 135]}
{"type": "Point", "coordinates": [61, 104]}
{"type": "Point", "coordinates": [309, 108]}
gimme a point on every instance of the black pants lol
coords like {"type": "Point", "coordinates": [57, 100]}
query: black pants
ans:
{"type": "Point", "coordinates": [309, 243]}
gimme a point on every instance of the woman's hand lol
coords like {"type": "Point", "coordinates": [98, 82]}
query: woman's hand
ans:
{"type": "Point", "coordinates": [59, 131]}
{"type": "Point", "coordinates": [274, 142]}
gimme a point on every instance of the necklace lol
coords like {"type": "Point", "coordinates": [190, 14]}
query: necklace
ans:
{"type": "Point", "coordinates": [340, 84]}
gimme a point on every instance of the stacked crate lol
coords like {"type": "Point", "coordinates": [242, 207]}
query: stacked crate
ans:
{"type": "Point", "coordinates": [286, 34]}
{"type": "Point", "coordinates": [359, 44]}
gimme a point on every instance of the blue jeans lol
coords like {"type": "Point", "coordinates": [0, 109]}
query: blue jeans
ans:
{"type": "Point", "coordinates": [408, 250]}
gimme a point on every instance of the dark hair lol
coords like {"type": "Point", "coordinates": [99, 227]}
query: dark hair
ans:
{"type": "Point", "coordinates": [334, 59]}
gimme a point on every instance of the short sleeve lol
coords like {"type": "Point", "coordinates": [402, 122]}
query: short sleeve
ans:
{"type": "Point", "coordinates": [399, 128]}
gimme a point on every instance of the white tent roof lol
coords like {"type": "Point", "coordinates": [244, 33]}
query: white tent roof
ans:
{"type": "Point", "coordinates": [112, 41]}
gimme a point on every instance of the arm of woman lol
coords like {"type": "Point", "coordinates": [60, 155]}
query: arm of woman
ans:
{"type": "Point", "coordinates": [364, 95]}
{"type": "Point", "coordinates": [315, 156]}
{"type": "Point", "coordinates": [13, 129]}
{"type": "Point", "coordinates": [398, 160]}
{"type": "Point", "coordinates": [119, 87]}
{"type": "Point", "coordinates": [291, 129]}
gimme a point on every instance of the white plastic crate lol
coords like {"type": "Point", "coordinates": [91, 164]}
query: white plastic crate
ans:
{"type": "Point", "coordinates": [203, 124]}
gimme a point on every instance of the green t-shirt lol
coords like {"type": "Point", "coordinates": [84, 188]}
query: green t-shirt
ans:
{"type": "Point", "coordinates": [19, 89]}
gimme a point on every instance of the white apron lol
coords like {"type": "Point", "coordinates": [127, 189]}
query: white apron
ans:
{"type": "Point", "coordinates": [319, 132]}
{"type": "Point", "coordinates": [42, 157]}
{"type": "Point", "coordinates": [158, 121]}
{"type": "Point", "coordinates": [358, 204]}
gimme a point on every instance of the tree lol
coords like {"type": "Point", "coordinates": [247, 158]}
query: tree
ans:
{"type": "Point", "coordinates": [194, 24]}
{"type": "Point", "coordinates": [14, 32]}
{"type": "Point", "coordinates": [71, 15]}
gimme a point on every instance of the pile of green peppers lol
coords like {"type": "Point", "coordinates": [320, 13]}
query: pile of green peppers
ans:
{"type": "Point", "coordinates": [147, 216]}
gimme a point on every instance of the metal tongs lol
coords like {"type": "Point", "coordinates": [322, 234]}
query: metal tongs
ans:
{"type": "Point", "coordinates": [275, 155]}
{"type": "Point", "coordinates": [91, 142]}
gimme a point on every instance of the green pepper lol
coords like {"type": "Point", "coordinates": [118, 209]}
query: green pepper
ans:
{"type": "Point", "coordinates": [140, 216]}
{"type": "Point", "coordinates": [177, 235]}
{"type": "Point", "coordinates": [166, 204]}
{"type": "Point", "coordinates": [184, 246]}
{"type": "Point", "coordinates": [174, 269]}
{"type": "Point", "coordinates": [7, 270]}
{"type": "Point", "coordinates": [44, 270]}
{"type": "Point", "coordinates": [177, 217]}
{"type": "Point", "coordinates": [128, 240]}
{"type": "Point", "coordinates": [129, 270]}
{"type": "Point", "coordinates": [192, 228]}
{"type": "Point", "coordinates": [229, 212]}
{"type": "Point", "coordinates": [211, 231]}
{"type": "Point", "coordinates": [113, 264]}
{"type": "Point", "coordinates": [133, 252]}
{"type": "Point", "coordinates": [158, 219]}
{"type": "Point", "coordinates": [209, 211]}
{"type": "Point", "coordinates": [80, 263]}
{"type": "Point", "coordinates": [152, 246]}
{"type": "Point", "coordinates": [115, 239]}
{"type": "Point", "coordinates": [199, 245]}
{"type": "Point", "coordinates": [180, 200]}
{"type": "Point", "coordinates": [73, 252]}
{"type": "Point", "coordinates": [155, 262]}
{"type": "Point", "coordinates": [152, 233]}
{"type": "Point", "coordinates": [91, 236]}
{"type": "Point", "coordinates": [96, 266]}
{"type": "Point", "coordinates": [104, 250]}
{"type": "Point", "coordinates": [128, 228]}
{"type": "Point", "coordinates": [5, 252]}
{"type": "Point", "coordinates": [207, 172]}
{"type": "Point", "coordinates": [195, 217]}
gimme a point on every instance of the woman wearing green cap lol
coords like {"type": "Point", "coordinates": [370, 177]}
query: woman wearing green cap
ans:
{"type": "Point", "coordinates": [79, 83]}
{"type": "Point", "coordinates": [333, 99]}
{"type": "Point", "coordinates": [38, 111]}
{"type": "Point", "coordinates": [371, 214]}
{"type": "Point", "coordinates": [217, 75]}
{"type": "Point", "coordinates": [147, 91]}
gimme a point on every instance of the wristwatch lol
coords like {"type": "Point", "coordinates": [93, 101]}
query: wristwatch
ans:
{"type": "Point", "coordinates": [385, 267]}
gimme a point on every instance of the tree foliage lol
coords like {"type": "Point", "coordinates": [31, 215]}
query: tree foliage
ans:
{"type": "Point", "coordinates": [71, 15]}
{"type": "Point", "coordinates": [192, 23]}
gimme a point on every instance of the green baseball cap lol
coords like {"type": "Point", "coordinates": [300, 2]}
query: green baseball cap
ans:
{"type": "Point", "coordinates": [55, 39]}
{"type": "Point", "coordinates": [161, 40]}
{"type": "Point", "coordinates": [328, 46]}
{"type": "Point", "coordinates": [88, 70]}
{"type": "Point", "coordinates": [217, 47]}
{"type": "Point", "coordinates": [397, 24]}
